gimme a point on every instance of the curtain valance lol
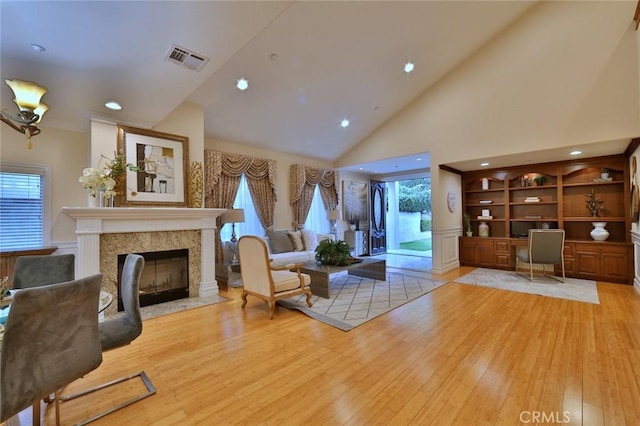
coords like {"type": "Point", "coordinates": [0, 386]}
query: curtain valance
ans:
{"type": "Point", "coordinates": [234, 165]}
{"type": "Point", "coordinates": [301, 175]}
{"type": "Point", "coordinates": [303, 181]}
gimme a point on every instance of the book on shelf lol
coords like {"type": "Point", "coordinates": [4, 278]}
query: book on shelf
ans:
{"type": "Point", "coordinates": [485, 217]}
{"type": "Point", "coordinates": [486, 201]}
{"type": "Point", "coordinates": [533, 217]}
{"type": "Point", "coordinates": [532, 200]}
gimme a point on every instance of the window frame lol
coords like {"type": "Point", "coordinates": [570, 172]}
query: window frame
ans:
{"type": "Point", "coordinates": [45, 172]}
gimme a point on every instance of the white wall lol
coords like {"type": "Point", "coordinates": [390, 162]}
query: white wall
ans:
{"type": "Point", "coordinates": [531, 88]}
{"type": "Point", "coordinates": [65, 153]}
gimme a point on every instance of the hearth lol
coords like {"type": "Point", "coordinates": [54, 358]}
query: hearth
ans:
{"type": "Point", "coordinates": [165, 276]}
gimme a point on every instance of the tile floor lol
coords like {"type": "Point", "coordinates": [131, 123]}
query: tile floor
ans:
{"type": "Point", "coordinates": [397, 259]}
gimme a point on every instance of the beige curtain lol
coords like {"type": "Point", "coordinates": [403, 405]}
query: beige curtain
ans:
{"type": "Point", "coordinates": [303, 181]}
{"type": "Point", "coordinates": [222, 179]}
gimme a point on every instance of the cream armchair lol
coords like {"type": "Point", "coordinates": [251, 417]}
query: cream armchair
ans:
{"type": "Point", "coordinates": [264, 281]}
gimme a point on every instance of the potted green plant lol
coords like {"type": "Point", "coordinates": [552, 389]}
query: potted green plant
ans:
{"type": "Point", "coordinates": [467, 224]}
{"type": "Point", "coordinates": [540, 180]}
{"type": "Point", "coordinates": [331, 252]}
{"type": "Point", "coordinates": [604, 173]}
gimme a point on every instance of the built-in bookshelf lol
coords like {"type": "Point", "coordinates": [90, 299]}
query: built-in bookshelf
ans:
{"type": "Point", "coordinates": [552, 195]}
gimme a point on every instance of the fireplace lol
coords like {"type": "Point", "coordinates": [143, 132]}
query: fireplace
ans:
{"type": "Point", "coordinates": [104, 233]}
{"type": "Point", "coordinates": [165, 276]}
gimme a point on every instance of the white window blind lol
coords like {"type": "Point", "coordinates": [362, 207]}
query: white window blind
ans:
{"type": "Point", "coordinates": [21, 208]}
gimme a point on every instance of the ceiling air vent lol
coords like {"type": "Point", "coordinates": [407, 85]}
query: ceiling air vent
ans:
{"type": "Point", "coordinates": [185, 58]}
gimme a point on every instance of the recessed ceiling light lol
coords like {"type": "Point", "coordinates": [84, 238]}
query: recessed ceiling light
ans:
{"type": "Point", "coordinates": [575, 152]}
{"type": "Point", "coordinates": [408, 67]}
{"type": "Point", "coordinates": [485, 164]}
{"type": "Point", "coordinates": [418, 159]}
{"type": "Point", "coordinates": [113, 105]}
{"type": "Point", "coordinates": [37, 48]}
{"type": "Point", "coordinates": [344, 123]}
{"type": "Point", "coordinates": [242, 84]}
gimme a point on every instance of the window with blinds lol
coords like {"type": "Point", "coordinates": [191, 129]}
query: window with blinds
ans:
{"type": "Point", "coordinates": [21, 207]}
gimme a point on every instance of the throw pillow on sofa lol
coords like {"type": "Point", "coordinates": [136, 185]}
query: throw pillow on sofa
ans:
{"type": "Point", "coordinates": [296, 240]}
{"type": "Point", "coordinates": [279, 242]}
{"type": "Point", "coordinates": [310, 239]}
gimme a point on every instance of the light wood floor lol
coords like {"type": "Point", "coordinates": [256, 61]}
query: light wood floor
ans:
{"type": "Point", "coordinates": [460, 355]}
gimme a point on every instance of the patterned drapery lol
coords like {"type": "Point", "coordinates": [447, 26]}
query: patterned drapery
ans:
{"type": "Point", "coordinates": [303, 181]}
{"type": "Point", "coordinates": [223, 171]}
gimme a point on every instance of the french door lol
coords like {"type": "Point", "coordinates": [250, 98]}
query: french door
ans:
{"type": "Point", "coordinates": [378, 234]}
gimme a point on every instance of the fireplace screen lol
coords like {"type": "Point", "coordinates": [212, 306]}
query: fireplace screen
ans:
{"type": "Point", "coordinates": [165, 277]}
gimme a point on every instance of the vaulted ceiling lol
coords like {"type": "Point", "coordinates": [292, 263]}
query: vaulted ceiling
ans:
{"type": "Point", "coordinates": [309, 64]}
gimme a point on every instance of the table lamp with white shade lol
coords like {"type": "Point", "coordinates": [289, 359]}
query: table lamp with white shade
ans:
{"type": "Point", "coordinates": [233, 216]}
{"type": "Point", "coordinates": [334, 216]}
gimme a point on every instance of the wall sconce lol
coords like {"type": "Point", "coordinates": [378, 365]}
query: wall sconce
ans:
{"type": "Point", "coordinates": [27, 97]}
{"type": "Point", "coordinates": [233, 216]}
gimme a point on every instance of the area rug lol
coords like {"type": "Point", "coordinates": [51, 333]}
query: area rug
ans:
{"type": "Point", "coordinates": [571, 289]}
{"type": "Point", "coordinates": [173, 306]}
{"type": "Point", "coordinates": [356, 300]}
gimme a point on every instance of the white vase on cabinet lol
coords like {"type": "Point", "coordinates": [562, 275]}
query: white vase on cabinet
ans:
{"type": "Point", "coordinates": [599, 233]}
{"type": "Point", "coordinates": [483, 229]}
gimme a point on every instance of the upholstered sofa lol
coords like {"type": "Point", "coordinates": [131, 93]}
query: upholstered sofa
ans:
{"type": "Point", "coordinates": [287, 247]}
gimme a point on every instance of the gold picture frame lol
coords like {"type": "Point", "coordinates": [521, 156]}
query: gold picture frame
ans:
{"type": "Point", "coordinates": [163, 162]}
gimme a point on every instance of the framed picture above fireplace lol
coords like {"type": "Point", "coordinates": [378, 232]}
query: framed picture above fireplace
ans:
{"type": "Point", "coordinates": [162, 160]}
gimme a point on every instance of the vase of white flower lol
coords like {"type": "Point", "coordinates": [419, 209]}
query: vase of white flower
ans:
{"type": "Point", "coordinates": [105, 183]}
{"type": "Point", "coordinates": [99, 184]}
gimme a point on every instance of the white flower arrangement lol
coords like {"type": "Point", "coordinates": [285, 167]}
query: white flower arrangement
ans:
{"type": "Point", "coordinates": [94, 180]}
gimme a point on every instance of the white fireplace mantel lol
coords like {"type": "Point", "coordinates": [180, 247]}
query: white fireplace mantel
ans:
{"type": "Point", "coordinates": [93, 221]}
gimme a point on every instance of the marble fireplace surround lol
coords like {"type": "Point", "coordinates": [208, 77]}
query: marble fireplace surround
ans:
{"type": "Point", "coordinates": [103, 233]}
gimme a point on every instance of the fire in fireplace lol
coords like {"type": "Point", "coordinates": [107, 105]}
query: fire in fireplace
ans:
{"type": "Point", "coordinates": [165, 276]}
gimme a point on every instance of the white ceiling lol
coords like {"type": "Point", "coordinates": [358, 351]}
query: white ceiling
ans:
{"type": "Point", "coordinates": [309, 64]}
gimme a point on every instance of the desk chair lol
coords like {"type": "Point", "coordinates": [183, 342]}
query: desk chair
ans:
{"type": "Point", "coordinates": [262, 280]}
{"type": "Point", "coordinates": [34, 271]}
{"type": "Point", "coordinates": [122, 331]}
{"type": "Point", "coordinates": [51, 339]}
{"type": "Point", "coordinates": [546, 247]}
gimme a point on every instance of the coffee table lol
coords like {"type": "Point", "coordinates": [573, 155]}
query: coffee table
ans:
{"type": "Point", "coordinates": [319, 273]}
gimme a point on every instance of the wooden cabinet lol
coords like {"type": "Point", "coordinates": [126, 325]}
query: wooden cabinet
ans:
{"type": "Point", "coordinates": [478, 200]}
{"type": "Point", "coordinates": [502, 250]}
{"type": "Point", "coordinates": [485, 252]}
{"type": "Point", "coordinates": [578, 186]}
{"type": "Point", "coordinates": [552, 195]}
{"type": "Point", "coordinates": [602, 261]}
{"type": "Point", "coordinates": [8, 259]}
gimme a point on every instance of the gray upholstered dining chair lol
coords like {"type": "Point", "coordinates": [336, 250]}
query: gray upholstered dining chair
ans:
{"type": "Point", "coordinates": [546, 247]}
{"type": "Point", "coordinates": [51, 338]}
{"type": "Point", "coordinates": [34, 271]}
{"type": "Point", "coordinates": [121, 331]}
